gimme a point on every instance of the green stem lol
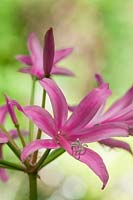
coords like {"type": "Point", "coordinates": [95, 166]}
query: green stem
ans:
{"type": "Point", "coordinates": [55, 154]}
{"type": "Point", "coordinates": [43, 106]}
{"type": "Point", "coordinates": [15, 151]}
{"type": "Point", "coordinates": [20, 135]}
{"type": "Point", "coordinates": [44, 99]}
{"type": "Point", "coordinates": [5, 167]}
{"type": "Point", "coordinates": [39, 132]}
{"type": "Point", "coordinates": [13, 146]}
{"type": "Point", "coordinates": [44, 156]}
{"type": "Point", "coordinates": [11, 165]}
{"type": "Point", "coordinates": [32, 186]}
{"type": "Point", "coordinates": [32, 97]}
{"type": "Point", "coordinates": [18, 154]}
{"type": "Point", "coordinates": [12, 168]}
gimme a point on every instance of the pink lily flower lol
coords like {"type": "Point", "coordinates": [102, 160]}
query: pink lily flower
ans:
{"type": "Point", "coordinates": [43, 62]}
{"type": "Point", "coordinates": [3, 139]}
{"type": "Point", "coordinates": [14, 134]}
{"type": "Point", "coordinates": [120, 112]}
{"type": "Point", "coordinates": [71, 133]}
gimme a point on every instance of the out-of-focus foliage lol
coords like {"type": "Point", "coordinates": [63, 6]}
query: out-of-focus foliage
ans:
{"type": "Point", "coordinates": [101, 32]}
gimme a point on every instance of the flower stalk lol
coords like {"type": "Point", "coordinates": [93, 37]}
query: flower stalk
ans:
{"type": "Point", "coordinates": [15, 151]}
{"type": "Point", "coordinates": [43, 106]}
{"type": "Point", "coordinates": [10, 165]}
{"type": "Point", "coordinates": [32, 186]}
{"type": "Point", "coordinates": [20, 135]}
{"type": "Point", "coordinates": [42, 159]}
{"type": "Point", "coordinates": [55, 154]}
{"type": "Point", "coordinates": [11, 141]}
{"type": "Point", "coordinates": [39, 132]}
{"type": "Point", "coordinates": [32, 98]}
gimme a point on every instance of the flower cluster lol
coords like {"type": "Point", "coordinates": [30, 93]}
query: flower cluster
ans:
{"type": "Point", "coordinates": [87, 123]}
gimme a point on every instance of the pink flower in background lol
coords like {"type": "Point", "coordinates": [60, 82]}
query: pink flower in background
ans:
{"type": "Point", "coordinates": [4, 110]}
{"type": "Point", "coordinates": [3, 173]}
{"type": "Point", "coordinates": [3, 139]}
{"type": "Point", "coordinates": [14, 134]}
{"type": "Point", "coordinates": [43, 62]}
{"type": "Point", "coordinates": [3, 113]}
{"type": "Point", "coordinates": [71, 133]}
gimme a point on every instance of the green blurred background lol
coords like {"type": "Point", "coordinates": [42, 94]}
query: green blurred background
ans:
{"type": "Point", "coordinates": [101, 32]}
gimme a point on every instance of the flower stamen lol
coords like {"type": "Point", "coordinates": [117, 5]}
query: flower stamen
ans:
{"type": "Point", "coordinates": [78, 148]}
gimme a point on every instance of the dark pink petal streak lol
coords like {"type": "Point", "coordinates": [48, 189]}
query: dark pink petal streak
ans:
{"type": "Point", "coordinates": [48, 52]}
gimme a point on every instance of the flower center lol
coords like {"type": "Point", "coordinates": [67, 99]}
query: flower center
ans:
{"type": "Point", "coordinates": [78, 148]}
{"type": "Point", "coordinates": [59, 133]}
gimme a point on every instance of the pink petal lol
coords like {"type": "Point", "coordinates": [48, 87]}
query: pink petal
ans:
{"type": "Point", "coordinates": [36, 54]}
{"type": "Point", "coordinates": [41, 118]}
{"type": "Point", "coordinates": [119, 105]}
{"type": "Point", "coordinates": [121, 110]}
{"type": "Point", "coordinates": [24, 59]}
{"type": "Point", "coordinates": [48, 52]}
{"type": "Point", "coordinates": [62, 53]}
{"type": "Point", "coordinates": [130, 123]}
{"type": "Point", "coordinates": [36, 145]}
{"type": "Point", "coordinates": [126, 115]}
{"type": "Point", "coordinates": [59, 104]}
{"type": "Point", "coordinates": [96, 118]}
{"type": "Point", "coordinates": [3, 138]}
{"type": "Point", "coordinates": [100, 132]}
{"type": "Point", "coordinates": [11, 111]}
{"type": "Point", "coordinates": [32, 71]}
{"type": "Point", "coordinates": [18, 106]}
{"type": "Point", "coordinates": [27, 70]}
{"type": "Point", "coordinates": [87, 108]}
{"type": "Point", "coordinates": [112, 143]}
{"type": "Point", "coordinates": [91, 159]}
{"type": "Point", "coordinates": [3, 113]}
{"type": "Point", "coordinates": [61, 71]}
{"type": "Point", "coordinates": [34, 47]}
{"type": "Point", "coordinates": [99, 79]}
